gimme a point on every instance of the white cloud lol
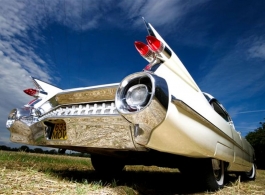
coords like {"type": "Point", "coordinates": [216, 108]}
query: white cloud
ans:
{"type": "Point", "coordinates": [13, 80]}
{"type": "Point", "coordinates": [17, 58]}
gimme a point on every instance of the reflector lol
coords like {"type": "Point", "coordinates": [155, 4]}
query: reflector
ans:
{"type": "Point", "coordinates": [154, 43]}
{"type": "Point", "coordinates": [148, 67]}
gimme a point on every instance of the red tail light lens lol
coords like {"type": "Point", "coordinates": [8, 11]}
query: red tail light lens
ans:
{"type": "Point", "coordinates": [142, 48]}
{"type": "Point", "coordinates": [154, 43]}
{"type": "Point", "coordinates": [32, 92]}
{"type": "Point", "coordinates": [145, 51]}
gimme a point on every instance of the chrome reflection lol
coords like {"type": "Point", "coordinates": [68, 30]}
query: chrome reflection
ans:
{"type": "Point", "coordinates": [153, 112]}
{"type": "Point", "coordinates": [25, 115]}
{"type": "Point", "coordinates": [48, 105]}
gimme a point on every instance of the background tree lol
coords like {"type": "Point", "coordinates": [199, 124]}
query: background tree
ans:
{"type": "Point", "coordinates": [24, 148]}
{"type": "Point", "coordinates": [257, 140]}
{"type": "Point", "coordinates": [3, 147]}
{"type": "Point", "coordinates": [38, 150]}
{"type": "Point", "coordinates": [61, 151]}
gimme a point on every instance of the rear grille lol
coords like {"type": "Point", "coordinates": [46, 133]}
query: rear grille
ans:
{"type": "Point", "coordinates": [107, 108]}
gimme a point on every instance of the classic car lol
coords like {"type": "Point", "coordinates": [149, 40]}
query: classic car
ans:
{"type": "Point", "coordinates": [158, 116]}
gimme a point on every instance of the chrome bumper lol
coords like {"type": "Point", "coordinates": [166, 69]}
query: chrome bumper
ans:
{"type": "Point", "coordinates": [109, 132]}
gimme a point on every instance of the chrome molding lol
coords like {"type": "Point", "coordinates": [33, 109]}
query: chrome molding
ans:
{"type": "Point", "coordinates": [87, 95]}
{"type": "Point", "coordinates": [150, 115]}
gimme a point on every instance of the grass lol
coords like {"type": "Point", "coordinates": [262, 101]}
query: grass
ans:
{"type": "Point", "coordinates": [26, 173]}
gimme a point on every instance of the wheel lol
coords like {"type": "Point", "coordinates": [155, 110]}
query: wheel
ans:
{"type": "Point", "coordinates": [209, 173]}
{"type": "Point", "coordinates": [214, 175]}
{"type": "Point", "coordinates": [107, 164]}
{"type": "Point", "coordinates": [251, 175]}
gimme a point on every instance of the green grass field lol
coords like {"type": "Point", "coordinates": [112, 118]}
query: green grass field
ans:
{"type": "Point", "coordinates": [28, 173]}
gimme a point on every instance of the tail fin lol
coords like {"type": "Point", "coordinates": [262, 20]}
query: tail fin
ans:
{"type": "Point", "coordinates": [173, 62]}
{"type": "Point", "coordinates": [43, 86]}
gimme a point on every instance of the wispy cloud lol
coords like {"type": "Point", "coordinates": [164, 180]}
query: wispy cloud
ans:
{"type": "Point", "coordinates": [257, 50]}
{"type": "Point", "coordinates": [250, 111]}
{"type": "Point", "coordinates": [245, 127]}
{"type": "Point", "coordinates": [234, 73]}
{"type": "Point", "coordinates": [17, 57]}
{"type": "Point", "coordinates": [161, 13]}
{"type": "Point", "coordinates": [234, 111]}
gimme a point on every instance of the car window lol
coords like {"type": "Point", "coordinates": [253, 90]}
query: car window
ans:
{"type": "Point", "coordinates": [218, 108]}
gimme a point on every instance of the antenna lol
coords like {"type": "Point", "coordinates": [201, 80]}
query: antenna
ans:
{"type": "Point", "coordinates": [149, 30]}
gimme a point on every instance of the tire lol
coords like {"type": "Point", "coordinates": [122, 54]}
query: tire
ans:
{"type": "Point", "coordinates": [251, 175]}
{"type": "Point", "coordinates": [209, 173]}
{"type": "Point", "coordinates": [106, 164]}
{"type": "Point", "coordinates": [214, 175]}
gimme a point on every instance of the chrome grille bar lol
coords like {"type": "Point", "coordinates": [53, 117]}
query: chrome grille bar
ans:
{"type": "Point", "coordinates": [106, 108]}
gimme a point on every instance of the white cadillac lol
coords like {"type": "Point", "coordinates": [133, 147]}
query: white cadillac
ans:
{"type": "Point", "coordinates": [155, 117]}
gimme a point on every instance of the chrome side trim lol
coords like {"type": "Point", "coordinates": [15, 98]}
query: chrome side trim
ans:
{"type": "Point", "coordinates": [153, 113]}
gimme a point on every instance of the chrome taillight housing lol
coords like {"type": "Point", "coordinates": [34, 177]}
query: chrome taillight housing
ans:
{"type": "Point", "coordinates": [143, 98]}
{"type": "Point", "coordinates": [134, 93]}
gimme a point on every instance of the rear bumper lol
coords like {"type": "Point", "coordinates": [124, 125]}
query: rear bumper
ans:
{"type": "Point", "coordinates": [108, 132]}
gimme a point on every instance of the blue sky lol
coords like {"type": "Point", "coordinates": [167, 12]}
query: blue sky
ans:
{"type": "Point", "coordinates": [89, 42]}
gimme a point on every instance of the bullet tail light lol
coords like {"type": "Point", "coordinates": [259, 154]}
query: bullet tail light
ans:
{"type": "Point", "coordinates": [145, 51]}
{"type": "Point", "coordinates": [34, 92]}
{"type": "Point", "coordinates": [158, 47]}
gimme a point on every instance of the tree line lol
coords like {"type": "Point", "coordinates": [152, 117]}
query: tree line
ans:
{"type": "Point", "coordinates": [59, 151]}
{"type": "Point", "coordinates": [257, 139]}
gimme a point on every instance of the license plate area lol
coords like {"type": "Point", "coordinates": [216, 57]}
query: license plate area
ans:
{"type": "Point", "coordinates": [56, 130]}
